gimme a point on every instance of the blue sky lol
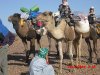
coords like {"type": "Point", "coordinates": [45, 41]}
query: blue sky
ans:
{"type": "Point", "coordinates": [8, 7]}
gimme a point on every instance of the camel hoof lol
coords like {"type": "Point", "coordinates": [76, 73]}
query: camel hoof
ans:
{"type": "Point", "coordinates": [98, 61]}
{"type": "Point", "coordinates": [57, 53]}
{"type": "Point", "coordinates": [66, 55]}
{"type": "Point", "coordinates": [72, 70]}
{"type": "Point", "coordinates": [89, 60]}
{"type": "Point", "coordinates": [59, 74]}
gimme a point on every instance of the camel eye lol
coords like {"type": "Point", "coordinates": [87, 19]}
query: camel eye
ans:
{"type": "Point", "coordinates": [46, 20]}
{"type": "Point", "coordinates": [24, 20]}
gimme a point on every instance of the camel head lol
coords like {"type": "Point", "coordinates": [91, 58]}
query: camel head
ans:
{"type": "Point", "coordinates": [16, 20]}
{"type": "Point", "coordinates": [46, 18]}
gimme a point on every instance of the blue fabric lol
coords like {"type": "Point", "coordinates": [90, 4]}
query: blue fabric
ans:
{"type": "Point", "coordinates": [3, 29]}
{"type": "Point", "coordinates": [33, 14]}
{"type": "Point", "coordinates": [38, 66]}
{"type": "Point", "coordinates": [8, 36]}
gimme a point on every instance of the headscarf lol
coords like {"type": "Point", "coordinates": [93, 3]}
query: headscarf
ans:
{"type": "Point", "coordinates": [43, 52]}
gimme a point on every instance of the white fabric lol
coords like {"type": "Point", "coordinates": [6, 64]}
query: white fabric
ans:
{"type": "Point", "coordinates": [65, 3]}
{"type": "Point", "coordinates": [24, 15]}
{"type": "Point", "coordinates": [56, 14]}
{"type": "Point", "coordinates": [38, 66]}
{"type": "Point", "coordinates": [82, 26]}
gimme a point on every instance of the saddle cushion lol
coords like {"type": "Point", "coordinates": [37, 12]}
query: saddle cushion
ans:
{"type": "Point", "coordinates": [82, 26]}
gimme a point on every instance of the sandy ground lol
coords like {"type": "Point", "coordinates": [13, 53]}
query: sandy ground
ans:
{"type": "Point", "coordinates": [17, 65]}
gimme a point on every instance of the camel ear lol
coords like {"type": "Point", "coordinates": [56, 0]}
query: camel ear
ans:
{"type": "Point", "coordinates": [10, 18]}
{"type": "Point", "coordinates": [17, 15]}
{"type": "Point", "coordinates": [50, 13]}
{"type": "Point", "coordinates": [45, 14]}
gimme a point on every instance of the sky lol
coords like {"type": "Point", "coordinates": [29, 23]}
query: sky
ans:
{"type": "Point", "coordinates": [9, 7]}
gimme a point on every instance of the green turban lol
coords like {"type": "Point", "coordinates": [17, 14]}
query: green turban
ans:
{"type": "Point", "coordinates": [43, 52]}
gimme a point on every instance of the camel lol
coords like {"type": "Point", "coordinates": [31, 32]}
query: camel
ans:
{"type": "Point", "coordinates": [71, 36]}
{"type": "Point", "coordinates": [59, 33]}
{"type": "Point", "coordinates": [25, 33]}
{"type": "Point", "coordinates": [88, 32]}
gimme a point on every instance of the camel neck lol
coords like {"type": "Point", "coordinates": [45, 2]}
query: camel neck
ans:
{"type": "Point", "coordinates": [51, 26]}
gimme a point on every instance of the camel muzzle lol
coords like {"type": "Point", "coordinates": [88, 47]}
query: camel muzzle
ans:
{"type": "Point", "coordinates": [21, 22]}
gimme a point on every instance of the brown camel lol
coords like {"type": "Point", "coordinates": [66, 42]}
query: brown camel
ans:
{"type": "Point", "coordinates": [25, 33]}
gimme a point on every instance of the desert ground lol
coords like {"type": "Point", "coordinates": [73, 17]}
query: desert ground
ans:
{"type": "Point", "coordinates": [17, 65]}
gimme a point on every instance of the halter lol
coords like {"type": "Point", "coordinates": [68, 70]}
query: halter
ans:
{"type": "Point", "coordinates": [21, 22]}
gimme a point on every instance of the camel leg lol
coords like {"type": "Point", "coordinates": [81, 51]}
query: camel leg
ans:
{"type": "Point", "coordinates": [38, 41]}
{"type": "Point", "coordinates": [26, 49]}
{"type": "Point", "coordinates": [77, 45]}
{"type": "Point", "coordinates": [89, 49]}
{"type": "Point", "coordinates": [32, 46]}
{"type": "Point", "coordinates": [76, 42]}
{"type": "Point", "coordinates": [66, 49]}
{"type": "Point", "coordinates": [95, 50]}
{"type": "Point", "coordinates": [80, 42]}
{"type": "Point", "coordinates": [60, 54]}
{"type": "Point", "coordinates": [70, 51]}
{"type": "Point", "coordinates": [57, 49]}
{"type": "Point", "coordinates": [49, 40]}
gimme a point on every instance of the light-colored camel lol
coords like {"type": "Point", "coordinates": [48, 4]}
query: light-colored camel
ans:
{"type": "Point", "coordinates": [62, 32]}
{"type": "Point", "coordinates": [88, 32]}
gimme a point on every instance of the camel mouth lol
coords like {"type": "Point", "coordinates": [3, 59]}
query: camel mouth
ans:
{"type": "Point", "coordinates": [10, 18]}
{"type": "Point", "coordinates": [39, 23]}
{"type": "Point", "coordinates": [42, 31]}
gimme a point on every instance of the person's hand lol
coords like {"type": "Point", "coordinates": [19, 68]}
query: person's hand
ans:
{"type": "Point", "coordinates": [47, 61]}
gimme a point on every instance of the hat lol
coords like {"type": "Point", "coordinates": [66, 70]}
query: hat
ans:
{"type": "Point", "coordinates": [91, 7]}
{"type": "Point", "coordinates": [43, 52]}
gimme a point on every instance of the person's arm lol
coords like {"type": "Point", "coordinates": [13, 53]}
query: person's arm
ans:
{"type": "Point", "coordinates": [60, 7]}
{"type": "Point", "coordinates": [69, 9]}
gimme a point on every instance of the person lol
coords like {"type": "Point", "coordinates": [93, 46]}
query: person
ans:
{"type": "Point", "coordinates": [91, 16]}
{"type": "Point", "coordinates": [65, 12]}
{"type": "Point", "coordinates": [92, 21]}
{"type": "Point", "coordinates": [6, 39]}
{"type": "Point", "coordinates": [64, 9]}
{"type": "Point", "coordinates": [39, 64]}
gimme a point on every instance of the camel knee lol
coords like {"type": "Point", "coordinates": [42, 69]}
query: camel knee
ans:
{"type": "Point", "coordinates": [61, 56]}
{"type": "Point", "coordinates": [71, 56]}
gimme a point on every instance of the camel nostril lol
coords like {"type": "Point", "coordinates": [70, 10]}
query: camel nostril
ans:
{"type": "Point", "coordinates": [9, 19]}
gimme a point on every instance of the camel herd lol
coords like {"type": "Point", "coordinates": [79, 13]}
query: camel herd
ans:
{"type": "Point", "coordinates": [61, 32]}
